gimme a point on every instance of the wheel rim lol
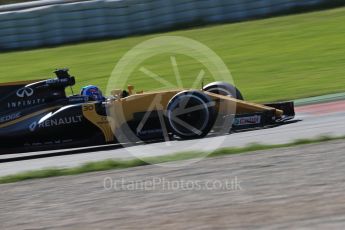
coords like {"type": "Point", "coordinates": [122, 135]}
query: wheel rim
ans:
{"type": "Point", "coordinates": [189, 115]}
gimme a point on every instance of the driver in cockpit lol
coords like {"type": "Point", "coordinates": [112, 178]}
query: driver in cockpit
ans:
{"type": "Point", "coordinates": [93, 93]}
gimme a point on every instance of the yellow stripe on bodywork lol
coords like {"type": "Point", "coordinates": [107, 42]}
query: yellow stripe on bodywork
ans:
{"type": "Point", "coordinates": [28, 116]}
{"type": "Point", "coordinates": [243, 107]}
{"type": "Point", "coordinates": [89, 112]}
{"type": "Point", "coordinates": [124, 109]}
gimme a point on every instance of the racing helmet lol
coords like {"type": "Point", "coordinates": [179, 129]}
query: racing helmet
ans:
{"type": "Point", "coordinates": [93, 92]}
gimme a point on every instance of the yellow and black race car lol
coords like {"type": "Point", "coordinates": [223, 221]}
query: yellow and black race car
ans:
{"type": "Point", "coordinates": [38, 115]}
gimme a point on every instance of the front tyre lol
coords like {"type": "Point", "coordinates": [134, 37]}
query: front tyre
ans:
{"type": "Point", "coordinates": [191, 114]}
{"type": "Point", "coordinates": [223, 88]}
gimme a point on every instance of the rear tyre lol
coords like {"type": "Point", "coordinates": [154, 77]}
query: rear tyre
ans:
{"type": "Point", "coordinates": [191, 114]}
{"type": "Point", "coordinates": [223, 88]}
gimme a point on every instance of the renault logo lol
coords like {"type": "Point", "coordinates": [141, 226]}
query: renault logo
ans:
{"type": "Point", "coordinates": [32, 127]}
{"type": "Point", "coordinates": [25, 92]}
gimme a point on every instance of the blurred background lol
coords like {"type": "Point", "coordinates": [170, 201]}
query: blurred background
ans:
{"type": "Point", "coordinates": [301, 51]}
{"type": "Point", "coordinates": [276, 50]}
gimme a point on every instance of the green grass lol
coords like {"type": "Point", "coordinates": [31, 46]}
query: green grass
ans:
{"type": "Point", "coordinates": [121, 164]}
{"type": "Point", "coordinates": [274, 59]}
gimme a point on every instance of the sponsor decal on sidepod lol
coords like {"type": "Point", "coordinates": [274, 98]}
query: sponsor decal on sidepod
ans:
{"type": "Point", "coordinates": [55, 122]}
{"type": "Point", "coordinates": [251, 120]}
{"type": "Point", "coordinates": [23, 93]}
{"type": "Point", "coordinates": [10, 117]}
{"type": "Point", "coordinates": [24, 103]}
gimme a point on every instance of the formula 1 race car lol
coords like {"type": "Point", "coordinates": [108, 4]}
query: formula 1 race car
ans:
{"type": "Point", "coordinates": [38, 115]}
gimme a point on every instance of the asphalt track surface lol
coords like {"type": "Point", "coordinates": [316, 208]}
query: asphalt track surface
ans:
{"type": "Point", "coordinates": [312, 121]}
{"type": "Point", "coordinates": [291, 188]}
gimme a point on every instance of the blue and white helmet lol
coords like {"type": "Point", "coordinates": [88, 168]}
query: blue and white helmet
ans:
{"type": "Point", "coordinates": [93, 92]}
